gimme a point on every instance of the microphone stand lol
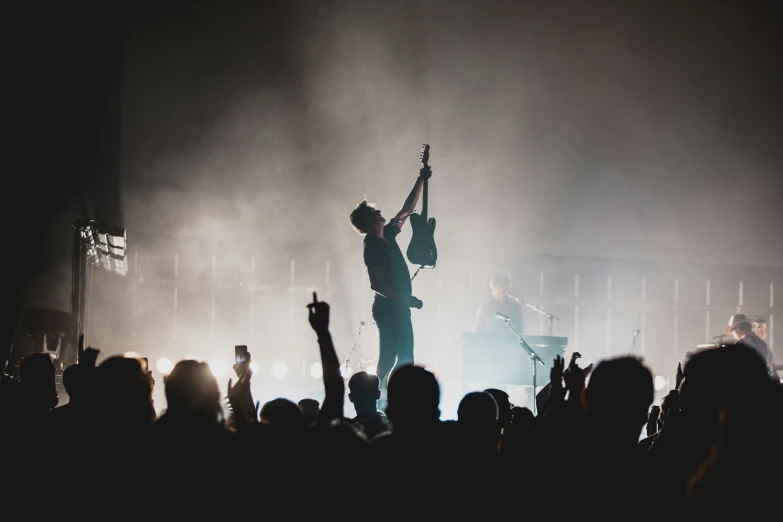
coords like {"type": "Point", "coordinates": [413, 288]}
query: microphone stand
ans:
{"type": "Point", "coordinates": [633, 340]}
{"type": "Point", "coordinates": [353, 347]}
{"type": "Point", "coordinates": [534, 358]}
{"type": "Point", "coordinates": [550, 318]}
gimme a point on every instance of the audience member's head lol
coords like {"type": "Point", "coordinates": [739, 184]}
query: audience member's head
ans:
{"type": "Point", "coordinates": [192, 392]}
{"type": "Point", "coordinates": [619, 396]}
{"type": "Point", "coordinates": [504, 406]}
{"type": "Point", "coordinates": [521, 416]}
{"type": "Point", "coordinates": [364, 392]}
{"type": "Point", "coordinates": [124, 392]}
{"type": "Point", "coordinates": [75, 382]}
{"type": "Point", "coordinates": [414, 398]}
{"type": "Point", "coordinates": [731, 414]}
{"type": "Point", "coordinates": [283, 414]}
{"type": "Point", "coordinates": [478, 413]}
{"type": "Point", "coordinates": [37, 377]}
{"type": "Point", "coordinates": [733, 376]}
{"type": "Point", "coordinates": [310, 409]}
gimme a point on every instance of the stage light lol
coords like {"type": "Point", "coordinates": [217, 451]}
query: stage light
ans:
{"type": "Point", "coordinates": [219, 368]}
{"type": "Point", "coordinates": [346, 372]}
{"type": "Point", "coordinates": [132, 355]}
{"type": "Point", "coordinates": [279, 369]}
{"type": "Point", "coordinates": [660, 382]}
{"type": "Point", "coordinates": [254, 368]}
{"type": "Point", "coordinates": [165, 365]}
{"type": "Point", "coordinates": [372, 369]}
{"type": "Point", "coordinates": [316, 370]}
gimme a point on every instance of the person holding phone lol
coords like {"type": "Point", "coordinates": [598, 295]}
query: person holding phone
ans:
{"type": "Point", "coordinates": [240, 396]}
{"type": "Point", "coordinates": [241, 360]}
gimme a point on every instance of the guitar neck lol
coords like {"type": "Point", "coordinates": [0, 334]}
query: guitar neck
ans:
{"type": "Point", "coordinates": [424, 200]}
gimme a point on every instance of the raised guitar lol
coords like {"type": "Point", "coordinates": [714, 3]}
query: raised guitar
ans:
{"type": "Point", "coordinates": [422, 250]}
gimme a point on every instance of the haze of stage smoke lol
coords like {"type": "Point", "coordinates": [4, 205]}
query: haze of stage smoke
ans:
{"type": "Point", "coordinates": [554, 131]}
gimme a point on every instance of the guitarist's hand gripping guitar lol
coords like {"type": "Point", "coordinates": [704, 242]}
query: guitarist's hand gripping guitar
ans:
{"type": "Point", "coordinates": [422, 250]}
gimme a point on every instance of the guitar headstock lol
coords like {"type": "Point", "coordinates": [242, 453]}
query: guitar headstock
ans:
{"type": "Point", "coordinates": [425, 154]}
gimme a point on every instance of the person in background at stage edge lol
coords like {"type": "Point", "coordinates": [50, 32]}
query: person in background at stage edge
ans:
{"type": "Point", "coordinates": [390, 279]}
{"type": "Point", "coordinates": [742, 330]}
{"type": "Point", "coordinates": [486, 321]}
{"type": "Point", "coordinates": [760, 328]}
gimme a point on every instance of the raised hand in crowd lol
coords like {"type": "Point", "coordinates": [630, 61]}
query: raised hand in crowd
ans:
{"type": "Point", "coordinates": [88, 357]}
{"type": "Point", "coordinates": [319, 315]}
{"type": "Point", "coordinates": [652, 420]}
{"type": "Point", "coordinates": [334, 396]}
{"type": "Point", "coordinates": [574, 378]}
{"type": "Point", "coordinates": [679, 377]}
{"type": "Point", "coordinates": [557, 392]}
{"type": "Point", "coordinates": [240, 399]}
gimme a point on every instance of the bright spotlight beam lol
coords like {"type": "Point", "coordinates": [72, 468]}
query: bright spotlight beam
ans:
{"type": "Point", "coordinates": [219, 368]}
{"type": "Point", "coordinates": [164, 365]}
{"type": "Point", "coordinates": [316, 370]}
{"type": "Point", "coordinates": [279, 369]}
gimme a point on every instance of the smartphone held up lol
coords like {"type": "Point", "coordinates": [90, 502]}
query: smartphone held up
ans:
{"type": "Point", "coordinates": [241, 355]}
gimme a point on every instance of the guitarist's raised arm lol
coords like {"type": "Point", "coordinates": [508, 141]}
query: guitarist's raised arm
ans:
{"type": "Point", "coordinates": [413, 198]}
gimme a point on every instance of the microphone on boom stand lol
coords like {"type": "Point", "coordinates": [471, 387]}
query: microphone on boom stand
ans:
{"type": "Point", "coordinates": [551, 318]}
{"type": "Point", "coordinates": [514, 298]}
{"type": "Point", "coordinates": [505, 318]}
{"type": "Point", "coordinates": [534, 358]}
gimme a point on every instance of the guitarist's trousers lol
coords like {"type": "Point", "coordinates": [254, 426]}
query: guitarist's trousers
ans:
{"type": "Point", "coordinates": [396, 336]}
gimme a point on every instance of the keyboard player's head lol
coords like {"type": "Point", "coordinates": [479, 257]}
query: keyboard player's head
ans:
{"type": "Point", "coordinates": [500, 285]}
{"type": "Point", "coordinates": [502, 302]}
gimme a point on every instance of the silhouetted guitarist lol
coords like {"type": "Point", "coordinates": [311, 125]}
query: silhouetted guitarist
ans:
{"type": "Point", "coordinates": [390, 279]}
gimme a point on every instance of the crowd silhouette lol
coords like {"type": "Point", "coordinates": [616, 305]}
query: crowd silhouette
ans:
{"type": "Point", "coordinates": [710, 448]}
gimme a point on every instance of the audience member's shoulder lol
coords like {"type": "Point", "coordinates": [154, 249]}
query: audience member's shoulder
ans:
{"type": "Point", "coordinates": [449, 427]}
{"type": "Point", "coordinates": [382, 440]}
{"type": "Point", "coordinates": [8, 384]}
{"type": "Point", "coordinates": [647, 442]}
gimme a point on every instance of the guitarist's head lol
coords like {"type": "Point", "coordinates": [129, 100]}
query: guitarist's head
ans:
{"type": "Point", "coordinates": [367, 219]}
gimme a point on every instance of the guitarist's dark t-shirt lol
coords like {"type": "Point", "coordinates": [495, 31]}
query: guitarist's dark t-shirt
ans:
{"type": "Point", "coordinates": [387, 254]}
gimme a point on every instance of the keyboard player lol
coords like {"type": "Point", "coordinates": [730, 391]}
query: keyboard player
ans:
{"type": "Point", "coordinates": [486, 322]}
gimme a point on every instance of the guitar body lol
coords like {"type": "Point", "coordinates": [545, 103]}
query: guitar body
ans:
{"type": "Point", "coordinates": [422, 250]}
